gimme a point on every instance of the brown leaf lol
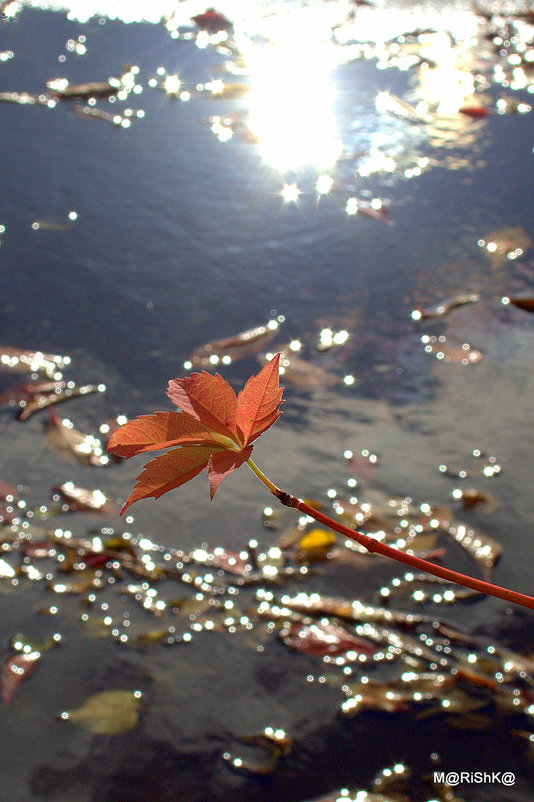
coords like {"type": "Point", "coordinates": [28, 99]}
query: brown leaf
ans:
{"type": "Point", "coordinates": [320, 639]}
{"type": "Point", "coordinates": [240, 345]}
{"type": "Point", "coordinates": [20, 361]}
{"type": "Point", "coordinates": [43, 400]}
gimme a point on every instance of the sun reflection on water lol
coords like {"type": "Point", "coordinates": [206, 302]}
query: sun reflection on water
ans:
{"type": "Point", "coordinates": [291, 103]}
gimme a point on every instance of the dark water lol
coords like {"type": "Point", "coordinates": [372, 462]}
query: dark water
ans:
{"type": "Point", "coordinates": [180, 239]}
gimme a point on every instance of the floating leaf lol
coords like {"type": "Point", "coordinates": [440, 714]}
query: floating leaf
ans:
{"type": "Point", "coordinates": [302, 373]}
{"type": "Point", "coordinates": [38, 550]}
{"type": "Point", "coordinates": [386, 101]}
{"type": "Point", "coordinates": [447, 350]}
{"type": "Point", "coordinates": [482, 548]}
{"type": "Point", "coordinates": [291, 536]}
{"type": "Point", "coordinates": [456, 701]}
{"type": "Point", "coordinates": [320, 639]}
{"type": "Point", "coordinates": [472, 498]}
{"type": "Point", "coordinates": [259, 754]}
{"type": "Point", "coordinates": [351, 609]}
{"type": "Point", "coordinates": [315, 544]}
{"type": "Point", "coordinates": [526, 304]}
{"type": "Point", "coordinates": [504, 245]}
{"type": "Point", "coordinates": [15, 671]}
{"type": "Point", "coordinates": [15, 359]}
{"type": "Point", "coordinates": [443, 308]}
{"type": "Point", "coordinates": [86, 580]}
{"type": "Point", "coordinates": [212, 21]}
{"type": "Point", "coordinates": [102, 89]}
{"type": "Point", "coordinates": [375, 696]}
{"type": "Point", "coordinates": [230, 349]}
{"type": "Point", "coordinates": [476, 112]}
{"type": "Point", "coordinates": [23, 392]}
{"type": "Point", "coordinates": [229, 561]}
{"type": "Point", "coordinates": [43, 400]}
{"type": "Point", "coordinates": [79, 499]}
{"type": "Point", "coordinates": [84, 447]}
{"type": "Point", "coordinates": [107, 713]}
{"type": "Point", "coordinates": [230, 91]}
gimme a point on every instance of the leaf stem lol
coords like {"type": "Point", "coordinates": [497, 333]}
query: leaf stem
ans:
{"type": "Point", "coordinates": [375, 546]}
{"type": "Point", "coordinates": [265, 479]}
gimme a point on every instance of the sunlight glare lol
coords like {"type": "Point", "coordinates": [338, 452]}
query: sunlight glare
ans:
{"type": "Point", "coordinates": [449, 84]}
{"type": "Point", "coordinates": [290, 193]}
{"type": "Point", "coordinates": [291, 102]}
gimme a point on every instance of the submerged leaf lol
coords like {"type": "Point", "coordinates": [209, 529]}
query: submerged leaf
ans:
{"type": "Point", "coordinates": [302, 373]}
{"type": "Point", "coordinates": [447, 350]}
{"type": "Point", "coordinates": [107, 713]}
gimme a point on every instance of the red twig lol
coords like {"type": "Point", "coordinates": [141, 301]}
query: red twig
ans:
{"type": "Point", "coordinates": [373, 545]}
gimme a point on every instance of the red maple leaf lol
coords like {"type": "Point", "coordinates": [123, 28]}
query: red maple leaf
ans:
{"type": "Point", "coordinates": [215, 430]}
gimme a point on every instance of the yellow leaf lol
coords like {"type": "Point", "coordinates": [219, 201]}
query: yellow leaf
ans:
{"type": "Point", "coordinates": [317, 540]}
{"type": "Point", "coordinates": [107, 713]}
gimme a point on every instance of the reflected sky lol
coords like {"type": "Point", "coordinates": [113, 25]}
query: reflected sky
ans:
{"type": "Point", "coordinates": [285, 58]}
{"type": "Point", "coordinates": [281, 64]}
